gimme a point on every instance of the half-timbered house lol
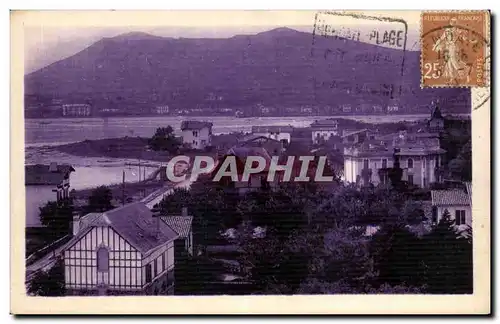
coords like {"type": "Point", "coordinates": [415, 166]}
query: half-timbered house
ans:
{"type": "Point", "coordinates": [122, 251]}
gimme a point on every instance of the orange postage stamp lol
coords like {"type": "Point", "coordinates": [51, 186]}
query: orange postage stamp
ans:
{"type": "Point", "coordinates": [455, 48]}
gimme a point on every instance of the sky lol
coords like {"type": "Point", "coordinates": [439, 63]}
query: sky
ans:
{"type": "Point", "coordinates": [52, 36]}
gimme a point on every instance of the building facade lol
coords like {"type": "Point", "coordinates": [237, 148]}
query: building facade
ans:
{"type": "Point", "coordinates": [419, 158]}
{"type": "Point", "coordinates": [122, 251]}
{"type": "Point", "coordinates": [76, 110]}
{"type": "Point", "coordinates": [279, 133]}
{"type": "Point", "coordinates": [196, 134]}
{"type": "Point", "coordinates": [323, 130]}
{"type": "Point", "coordinates": [456, 202]}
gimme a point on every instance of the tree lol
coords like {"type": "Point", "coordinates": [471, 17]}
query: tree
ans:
{"type": "Point", "coordinates": [448, 258]}
{"type": "Point", "coordinates": [100, 200]}
{"type": "Point", "coordinates": [57, 216]}
{"type": "Point", "coordinates": [49, 283]}
{"type": "Point", "coordinates": [164, 140]}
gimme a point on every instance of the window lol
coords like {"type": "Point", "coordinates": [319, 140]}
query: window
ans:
{"type": "Point", "coordinates": [410, 163]}
{"type": "Point", "coordinates": [148, 273]}
{"type": "Point", "coordinates": [203, 142]}
{"type": "Point", "coordinates": [195, 133]}
{"type": "Point", "coordinates": [102, 259]}
{"type": "Point", "coordinates": [410, 179]}
{"type": "Point", "coordinates": [460, 217]}
{"type": "Point", "coordinates": [384, 163]}
{"type": "Point", "coordinates": [365, 163]}
{"type": "Point", "coordinates": [155, 267]}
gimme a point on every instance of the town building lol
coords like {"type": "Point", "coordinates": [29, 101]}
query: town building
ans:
{"type": "Point", "coordinates": [420, 158]}
{"type": "Point", "coordinates": [279, 133]}
{"type": "Point", "coordinates": [45, 183]}
{"type": "Point", "coordinates": [272, 146]}
{"type": "Point", "coordinates": [196, 134]}
{"type": "Point", "coordinates": [122, 251]}
{"type": "Point", "coordinates": [76, 110]}
{"type": "Point", "coordinates": [256, 181]}
{"type": "Point", "coordinates": [322, 130]}
{"type": "Point", "coordinates": [161, 110]}
{"type": "Point", "coordinates": [457, 202]}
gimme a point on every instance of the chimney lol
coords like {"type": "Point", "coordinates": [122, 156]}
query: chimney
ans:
{"type": "Point", "coordinates": [76, 223]}
{"type": "Point", "coordinates": [53, 167]}
{"type": "Point", "coordinates": [184, 211]}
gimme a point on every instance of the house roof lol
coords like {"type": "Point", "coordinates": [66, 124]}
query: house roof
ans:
{"type": "Point", "coordinates": [272, 129]}
{"type": "Point", "coordinates": [354, 132]}
{"type": "Point", "coordinates": [180, 224]}
{"type": "Point", "coordinates": [325, 124]}
{"type": "Point", "coordinates": [253, 137]}
{"type": "Point", "coordinates": [194, 125]}
{"type": "Point", "coordinates": [134, 222]}
{"type": "Point", "coordinates": [449, 198]}
{"type": "Point", "coordinates": [40, 174]}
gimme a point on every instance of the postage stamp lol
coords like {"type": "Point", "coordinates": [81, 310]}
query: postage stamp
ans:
{"type": "Point", "coordinates": [454, 48]}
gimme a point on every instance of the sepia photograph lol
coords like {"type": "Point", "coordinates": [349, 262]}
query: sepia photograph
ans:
{"type": "Point", "coordinates": [251, 154]}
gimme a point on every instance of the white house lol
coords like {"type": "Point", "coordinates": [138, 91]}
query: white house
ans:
{"type": "Point", "coordinates": [324, 129]}
{"type": "Point", "coordinates": [456, 201]}
{"type": "Point", "coordinates": [196, 134]}
{"type": "Point", "coordinates": [279, 133]}
{"type": "Point", "coordinates": [369, 160]}
{"type": "Point", "coordinates": [122, 251]}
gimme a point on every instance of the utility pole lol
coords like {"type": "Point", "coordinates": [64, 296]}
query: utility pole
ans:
{"type": "Point", "coordinates": [123, 188]}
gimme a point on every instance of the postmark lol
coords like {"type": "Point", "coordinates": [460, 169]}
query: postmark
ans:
{"type": "Point", "coordinates": [455, 49]}
{"type": "Point", "coordinates": [348, 26]}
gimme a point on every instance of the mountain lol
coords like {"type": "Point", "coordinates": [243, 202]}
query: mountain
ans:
{"type": "Point", "coordinates": [277, 67]}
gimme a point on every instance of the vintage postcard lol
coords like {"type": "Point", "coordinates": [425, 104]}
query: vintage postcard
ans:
{"type": "Point", "coordinates": [250, 162]}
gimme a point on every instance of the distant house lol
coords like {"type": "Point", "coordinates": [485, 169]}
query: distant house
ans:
{"type": "Point", "coordinates": [196, 134]}
{"type": "Point", "coordinates": [161, 110]}
{"type": "Point", "coordinates": [456, 201]}
{"type": "Point", "coordinates": [256, 181]}
{"type": "Point", "coordinates": [182, 225]}
{"type": "Point", "coordinates": [355, 136]}
{"type": "Point", "coordinates": [279, 133]}
{"type": "Point", "coordinates": [122, 251]}
{"type": "Point", "coordinates": [76, 110]}
{"type": "Point", "coordinates": [419, 159]}
{"type": "Point", "coordinates": [392, 109]}
{"type": "Point", "coordinates": [272, 146]}
{"type": "Point", "coordinates": [324, 129]}
{"type": "Point", "coordinates": [45, 183]}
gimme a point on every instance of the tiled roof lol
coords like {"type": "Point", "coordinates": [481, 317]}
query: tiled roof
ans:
{"type": "Point", "coordinates": [180, 224]}
{"type": "Point", "coordinates": [40, 174]}
{"type": "Point", "coordinates": [450, 198]}
{"type": "Point", "coordinates": [194, 124]}
{"type": "Point", "coordinates": [272, 129]}
{"type": "Point", "coordinates": [135, 222]}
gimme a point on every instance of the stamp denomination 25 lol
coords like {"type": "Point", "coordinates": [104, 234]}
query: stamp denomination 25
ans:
{"type": "Point", "coordinates": [455, 47]}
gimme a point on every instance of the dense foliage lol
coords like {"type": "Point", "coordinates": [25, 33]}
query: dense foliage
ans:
{"type": "Point", "coordinates": [48, 283]}
{"type": "Point", "coordinates": [316, 241]}
{"type": "Point", "coordinates": [164, 140]}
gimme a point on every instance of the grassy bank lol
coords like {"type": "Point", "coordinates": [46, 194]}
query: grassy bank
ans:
{"type": "Point", "coordinates": [124, 147]}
